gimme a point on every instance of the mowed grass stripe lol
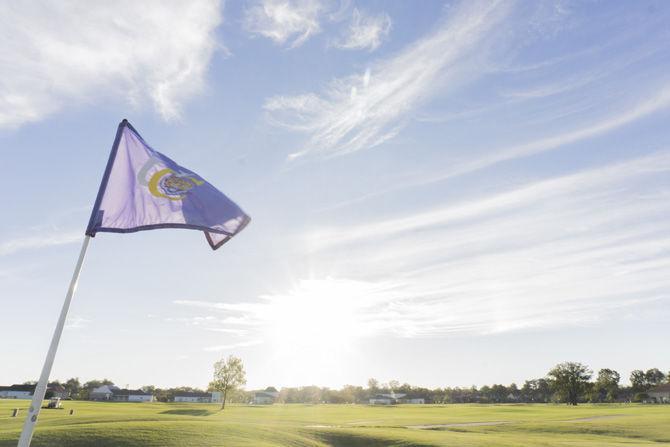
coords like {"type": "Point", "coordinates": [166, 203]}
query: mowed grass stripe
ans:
{"type": "Point", "coordinates": [171, 425]}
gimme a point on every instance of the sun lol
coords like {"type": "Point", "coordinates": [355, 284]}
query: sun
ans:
{"type": "Point", "coordinates": [314, 329]}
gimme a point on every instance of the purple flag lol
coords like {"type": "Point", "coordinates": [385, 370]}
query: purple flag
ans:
{"type": "Point", "coordinates": [144, 190]}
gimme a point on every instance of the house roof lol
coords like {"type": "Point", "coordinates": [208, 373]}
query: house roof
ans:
{"type": "Point", "coordinates": [16, 387]}
{"type": "Point", "coordinates": [661, 388]}
{"type": "Point", "coordinates": [104, 389]}
{"type": "Point", "coordinates": [272, 394]}
{"type": "Point", "coordinates": [389, 396]}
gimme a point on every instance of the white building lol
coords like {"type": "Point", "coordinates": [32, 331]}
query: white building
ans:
{"type": "Point", "coordinates": [58, 390]}
{"type": "Point", "coordinates": [386, 399]}
{"type": "Point", "coordinates": [198, 397]}
{"type": "Point", "coordinates": [116, 394]}
{"type": "Point", "coordinates": [132, 396]}
{"type": "Point", "coordinates": [265, 397]}
{"type": "Point", "coordinates": [395, 398]}
{"type": "Point", "coordinates": [660, 394]}
{"type": "Point", "coordinates": [103, 392]}
{"type": "Point", "coordinates": [17, 392]}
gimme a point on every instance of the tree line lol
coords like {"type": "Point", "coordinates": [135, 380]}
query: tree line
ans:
{"type": "Point", "coordinates": [568, 382]}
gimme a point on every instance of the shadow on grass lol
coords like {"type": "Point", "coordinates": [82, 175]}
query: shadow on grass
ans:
{"type": "Point", "coordinates": [344, 439]}
{"type": "Point", "coordinates": [189, 412]}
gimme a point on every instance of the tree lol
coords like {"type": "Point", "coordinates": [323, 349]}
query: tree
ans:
{"type": "Point", "coordinates": [310, 394]}
{"type": "Point", "coordinates": [513, 392]}
{"type": "Point", "coordinates": [537, 390]}
{"type": "Point", "coordinates": [73, 387]}
{"type": "Point", "coordinates": [499, 393]}
{"type": "Point", "coordinates": [229, 375]}
{"type": "Point", "coordinates": [606, 388]}
{"type": "Point", "coordinates": [373, 386]}
{"type": "Point", "coordinates": [149, 389]}
{"type": "Point", "coordinates": [569, 380]}
{"type": "Point", "coordinates": [638, 381]}
{"type": "Point", "coordinates": [654, 377]}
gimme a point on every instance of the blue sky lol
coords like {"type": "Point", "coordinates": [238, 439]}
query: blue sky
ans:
{"type": "Point", "coordinates": [444, 194]}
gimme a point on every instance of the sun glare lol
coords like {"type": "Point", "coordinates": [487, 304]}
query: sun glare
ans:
{"type": "Point", "coordinates": [314, 328]}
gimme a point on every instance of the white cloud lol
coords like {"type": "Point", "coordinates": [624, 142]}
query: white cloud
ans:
{"type": "Point", "coordinates": [41, 240]}
{"type": "Point", "coordinates": [581, 249]}
{"type": "Point", "coordinates": [504, 202]}
{"type": "Point", "coordinates": [576, 249]}
{"type": "Point", "coordinates": [365, 31]}
{"type": "Point", "coordinates": [283, 20]}
{"type": "Point", "coordinates": [54, 54]}
{"type": "Point", "coordinates": [339, 121]}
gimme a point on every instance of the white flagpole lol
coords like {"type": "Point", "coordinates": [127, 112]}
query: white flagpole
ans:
{"type": "Point", "coordinates": [41, 388]}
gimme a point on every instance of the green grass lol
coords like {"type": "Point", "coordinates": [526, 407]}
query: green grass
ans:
{"type": "Point", "coordinates": [202, 425]}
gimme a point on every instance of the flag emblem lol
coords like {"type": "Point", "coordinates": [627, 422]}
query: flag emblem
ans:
{"type": "Point", "coordinates": [166, 182]}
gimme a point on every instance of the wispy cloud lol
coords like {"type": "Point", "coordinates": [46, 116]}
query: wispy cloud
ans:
{"type": "Point", "coordinates": [58, 54]}
{"type": "Point", "coordinates": [366, 31]}
{"type": "Point", "coordinates": [285, 20]}
{"type": "Point", "coordinates": [467, 211]}
{"type": "Point", "coordinates": [658, 101]}
{"type": "Point", "coordinates": [42, 240]}
{"type": "Point", "coordinates": [362, 111]}
{"type": "Point", "coordinates": [655, 102]}
{"type": "Point", "coordinates": [575, 249]}
{"type": "Point", "coordinates": [578, 249]}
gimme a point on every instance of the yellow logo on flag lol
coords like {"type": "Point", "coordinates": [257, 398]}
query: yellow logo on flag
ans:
{"type": "Point", "coordinates": [167, 183]}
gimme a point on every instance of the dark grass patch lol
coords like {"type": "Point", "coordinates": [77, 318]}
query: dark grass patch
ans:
{"type": "Point", "coordinates": [188, 412]}
{"type": "Point", "coordinates": [576, 429]}
{"type": "Point", "coordinates": [348, 439]}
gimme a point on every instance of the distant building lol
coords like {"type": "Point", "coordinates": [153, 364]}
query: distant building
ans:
{"type": "Point", "coordinates": [395, 398]}
{"type": "Point", "coordinates": [123, 395]}
{"type": "Point", "coordinates": [58, 390]}
{"type": "Point", "coordinates": [659, 394]}
{"type": "Point", "coordinates": [103, 392]}
{"type": "Point", "coordinates": [17, 391]}
{"type": "Point", "coordinates": [265, 397]}
{"type": "Point", "coordinates": [386, 399]}
{"type": "Point", "coordinates": [26, 391]}
{"type": "Point", "coordinates": [115, 394]}
{"type": "Point", "coordinates": [199, 397]}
